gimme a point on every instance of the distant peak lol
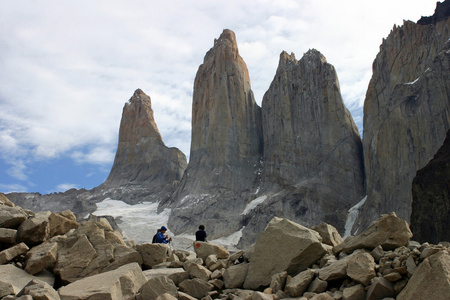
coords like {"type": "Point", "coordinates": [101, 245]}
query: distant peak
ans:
{"type": "Point", "coordinates": [442, 12]}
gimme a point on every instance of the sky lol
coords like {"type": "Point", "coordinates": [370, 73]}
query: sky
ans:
{"type": "Point", "coordinates": [68, 67]}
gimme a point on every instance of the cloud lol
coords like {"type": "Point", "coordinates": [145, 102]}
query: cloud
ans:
{"type": "Point", "coordinates": [64, 187]}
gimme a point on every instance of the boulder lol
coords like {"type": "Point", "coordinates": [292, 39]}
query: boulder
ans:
{"type": "Point", "coordinates": [317, 286]}
{"type": "Point", "coordinates": [196, 287]}
{"type": "Point", "coordinates": [336, 270]}
{"type": "Point", "coordinates": [389, 231]}
{"type": "Point", "coordinates": [198, 271]}
{"type": "Point", "coordinates": [156, 287]}
{"type": "Point", "coordinates": [10, 275]}
{"type": "Point", "coordinates": [380, 289]}
{"type": "Point", "coordinates": [278, 281]}
{"type": "Point", "coordinates": [122, 283]}
{"type": "Point", "coordinates": [9, 254]}
{"type": "Point", "coordinates": [68, 214]}
{"type": "Point", "coordinates": [361, 267]}
{"type": "Point", "coordinates": [356, 292]}
{"type": "Point", "coordinates": [234, 276]}
{"type": "Point", "coordinates": [39, 290]}
{"type": "Point", "coordinates": [153, 254]}
{"type": "Point", "coordinates": [329, 234]}
{"type": "Point", "coordinates": [431, 280]}
{"type": "Point", "coordinates": [261, 296]}
{"type": "Point", "coordinates": [204, 249]}
{"type": "Point", "coordinates": [218, 284]}
{"type": "Point", "coordinates": [34, 230]}
{"type": "Point", "coordinates": [184, 296]}
{"type": "Point", "coordinates": [300, 283]}
{"type": "Point", "coordinates": [5, 201]}
{"type": "Point", "coordinates": [7, 236]}
{"type": "Point", "coordinates": [41, 257]}
{"type": "Point", "coordinates": [60, 224]}
{"type": "Point", "coordinates": [11, 217]}
{"type": "Point", "coordinates": [300, 248]}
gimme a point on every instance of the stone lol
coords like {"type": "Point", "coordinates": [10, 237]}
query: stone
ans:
{"type": "Point", "coordinates": [379, 289]}
{"type": "Point", "coordinates": [218, 284]}
{"type": "Point", "coordinates": [210, 260]}
{"type": "Point", "coordinates": [177, 275]}
{"type": "Point", "coordinates": [11, 217]}
{"type": "Point", "coordinates": [153, 254]}
{"type": "Point", "coordinates": [9, 254]}
{"type": "Point", "coordinates": [278, 281]}
{"type": "Point", "coordinates": [233, 259]}
{"type": "Point", "coordinates": [34, 230]}
{"type": "Point", "coordinates": [39, 290]}
{"type": "Point", "coordinates": [356, 292]}
{"type": "Point", "coordinates": [361, 267]}
{"type": "Point", "coordinates": [393, 277]}
{"type": "Point", "coordinates": [10, 275]}
{"type": "Point", "coordinates": [300, 283]}
{"type": "Point", "coordinates": [196, 287]}
{"type": "Point", "coordinates": [8, 236]}
{"type": "Point", "coordinates": [430, 214]}
{"type": "Point", "coordinates": [5, 201]}
{"type": "Point", "coordinates": [122, 283]}
{"type": "Point", "coordinates": [234, 276]}
{"type": "Point", "coordinates": [408, 92]}
{"type": "Point", "coordinates": [87, 252]}
{"type": "Point", "coordinates": [261, 296]}
{"type": "Point", "coordinates": [302, 247]}
{"type": "Point", "coordinates": [226, 145]}
{"type": "Point", "coordinates": [389, 231]}
{"type": "Point", "coordinates": [431, 280]}
{"type": "Point", "coordinates": [157, 286]}
{"type": "Point", "coordinates": [377, 253]}
{"type": "Point", "coordinates": [204, 249]}
{"type": "Point", "coordinates": [166, 297]}
{"type": "Point", "coordinates": [336, 270]}
{"type": "Point", "coordinates": [41, 257]}
{"type": "Point", "coordinates": [198, 271]}
{"type": "Point", "coordinates": [184, 296]}
{"type": "Point", "coordinates": [59, 225]}
{"type": "Point", "coordinates": [410, 266]}
{"type": "Point", "coordinates": [142, 158]}
{"type": "Point", "coordinates": [428, 251]}
{"type": "Point", "coordinates": [317, 286]}
{"type": "Point", "coordinates": [329, 234]}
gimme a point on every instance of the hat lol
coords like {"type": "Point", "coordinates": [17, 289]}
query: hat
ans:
{"type": "Point", "coordinates": [163, 228]}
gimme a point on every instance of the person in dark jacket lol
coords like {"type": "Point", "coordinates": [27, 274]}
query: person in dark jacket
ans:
{"type": "Point", "coordinates": [201, 235]}
{"type": "Point", "coordinates": [161, 237]}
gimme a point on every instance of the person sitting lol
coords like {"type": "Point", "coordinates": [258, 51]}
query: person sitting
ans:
{"type": "Point", "coordinates": [161, 237]}
{"type": "Point", "coordinates": [201, 235]}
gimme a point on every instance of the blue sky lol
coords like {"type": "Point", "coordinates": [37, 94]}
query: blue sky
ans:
{"type": "Point", "coordinates": [68, 67]}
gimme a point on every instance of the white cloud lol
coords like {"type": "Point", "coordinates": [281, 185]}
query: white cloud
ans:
{"type": "Point", "coordinates": [64, 187]}
{"type": "Point", "coordinates": [68, 67]}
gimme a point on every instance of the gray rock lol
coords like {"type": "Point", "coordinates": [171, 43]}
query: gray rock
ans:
{"type": "Point", "coordinates": [300, 283]}
{"type": "Point", "coordinates": [329, 234]}
{"type": "Point", "coordinates": [278, 281]}
{"type": "Point", "coordinates": [18, 278]}
{"type": "Point", "coordinates": [153, 254]}
{"type": "Point", "coordinates": [41, 257]}
{"type": "Point", "coordinates": [59, 224]}
{"type": "Point", "coordinates": [198, 271]}
{"type": "Point", "coordinates": [361, 267]}
{"type": "Point", "coordinates": [203, 250]}
{"type": "Point", "coordinates": [9, 254]}
{"type": "Point", "coordinates": [301, 248]}
{"type": "Point", "coordinates": [11, 217]}
{"type": "Point", "coordinates": [409, 92]}
{"type": "Point", "coordinates": [317, 286]}
{"type": "Point", "coordinates": [5, 201]}
{"type": "Point", "coordinates": [196, 287]}
{"type": "Point", "coordinates": [356, 292]}
{"type": "Point", "coordinates": [7, 235]}
{"type": "Point", "coordinates": [34, 230]}
{"type": "Point", "coordinates": [380, 288]}
{"type": "Point", "coordinates": [39, 290]}
{"type": "Point", "coordinates": [234, 276]}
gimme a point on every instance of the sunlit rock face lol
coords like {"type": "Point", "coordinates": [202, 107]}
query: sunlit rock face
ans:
{"type": "Point", "coordinates": [406, 114]}
{"type": "Point", "coordinates": [226, 145]}
{"type": "Point", "coordinates": [142, 159]}
{"type": "Point", "coordinates": [313, 168]}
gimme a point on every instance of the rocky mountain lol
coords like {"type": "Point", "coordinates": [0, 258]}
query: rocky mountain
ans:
{"type": "Point", "coordinates": [430, 216]}
{"type": "Point", "coordinates": [144, 168]}
{"type": "Point", "coordinates": [226, 145]}
{"type": "Point", "coordinates": [313, 168]}
{"type": "Point", "coordinates": [406, 114]}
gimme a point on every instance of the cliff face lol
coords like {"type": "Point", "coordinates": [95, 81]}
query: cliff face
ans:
{"type": "Point", "coordinates": [430, 216]}
{"type": "Point", "coordinates": [226, 144]}
{"type": "Point", "coordinates": [406, 115]}
{"type": "Point", "coordinates": [142, 159]}
{"type": "Point", "coordinates": [313, 168]}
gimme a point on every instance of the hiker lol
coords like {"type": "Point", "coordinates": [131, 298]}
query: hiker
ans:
{"type": "Point", "coordinates": [161, 238]}
{"type": "Point", "coordinates": [201, 235]}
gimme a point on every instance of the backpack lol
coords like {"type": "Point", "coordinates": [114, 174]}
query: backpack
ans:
{"type": "Point", "coordinates": [154, 239]}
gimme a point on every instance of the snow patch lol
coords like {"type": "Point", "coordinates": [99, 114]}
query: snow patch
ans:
{"type": "Point", "coordinates": [352, 215]}
{"type": "Point", "coordinates": [254, 203]}
{"type": "Point", "coordinates": [230, 242]}
{"type": "Point", "coordinates": [139, 221]}
{"type": "Point", "coordinates": [413, 82]}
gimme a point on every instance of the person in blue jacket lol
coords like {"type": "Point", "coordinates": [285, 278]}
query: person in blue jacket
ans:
{"type": "Point", "coordinates": [161, 237]}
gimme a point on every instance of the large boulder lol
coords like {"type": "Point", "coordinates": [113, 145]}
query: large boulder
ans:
{"type": "Point", "coordinates": [196, 287]}
{"type": "Point", "coordinates": [283, 246]}
{"type": "Point", "coordinates": [153, 254]}
{"type": "Point", "coordinates": [234, 276]}
{"type": "Point", "coordinates": [120, 284]}
{"type": "Point", "coordinates": [329, 234]}
{"type": "Point", "coordinates": [9, 254]}
{"type": "Point", "coordinates": [5, 201]}
{"type": "Point", "coordinates": [203, 250]}
{"type": "Point", "coordinates": [177, 275]}
{"type": "Point", "coordinates": [431, 280]}
{"type": "Point", "coordinates": [157, 286]}
{"type": "Point", "coordinates": [34, 230]}
{"type": "Point", "coordinates": [39, 290]}
{"type": "Point", "coordinates": [60, 224]}
{"type": "Point", "coordinates": [41, 257]}
{"type": "Point", "coordinates": [11, 217]}
{"type": "Point", "coordinates": [87, 252]}
{"type": "Point", "coordinates": [7, 235]}
{"type": "Point", "coordinates": [298, 284]}
{"type": "Point", "coordinates": [18, 278]}
{"type": "Point", "coordinates": [389, 231]}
